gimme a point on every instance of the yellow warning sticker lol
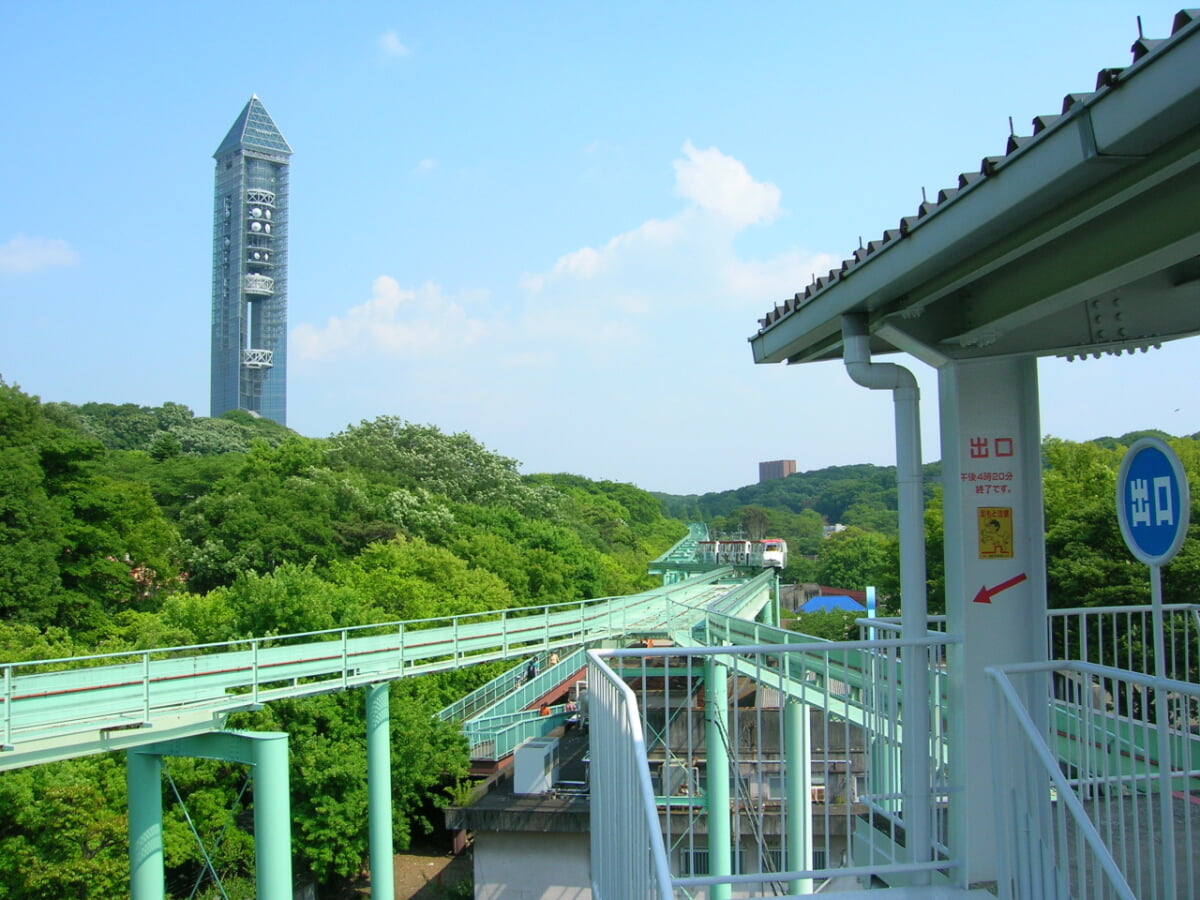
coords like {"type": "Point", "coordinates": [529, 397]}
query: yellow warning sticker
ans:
{"type": "Point", "coordinates": [995, 532]}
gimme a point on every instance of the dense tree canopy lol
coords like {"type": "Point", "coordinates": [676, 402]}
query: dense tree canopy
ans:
{"type": "Point", "coordinates": [125, 527]}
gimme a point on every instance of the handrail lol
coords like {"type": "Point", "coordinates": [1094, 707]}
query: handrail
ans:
{"type": "Point", "coordinates": [1049, 768]}
{"type": "Point", "coordinates": [782, 667]}
{"type": "Point", "coordinates": [619, 750]}
{"type": "Point", "coordinates": [74, 706]}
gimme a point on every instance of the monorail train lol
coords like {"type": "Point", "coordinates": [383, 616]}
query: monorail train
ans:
{"type": "Point", "coordinates": [768, 553]}
{"type": "Point", "coordinates": [774, 552]}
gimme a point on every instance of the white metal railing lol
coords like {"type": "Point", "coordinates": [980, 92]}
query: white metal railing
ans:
{"type": "Point", "coordinates": [891, 625]}
{"type": "Point", "coordinates": [1099, 792]}
{"type": "Point", "coordinates": [629, 860]}
{"type": "Point", "coordinates": [1119, 636]}
{"type": "Point", "coordinates": [812, 735]}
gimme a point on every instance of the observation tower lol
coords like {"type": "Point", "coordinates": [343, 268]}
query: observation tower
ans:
{"type": "Point", "coordinates": [249, 291]}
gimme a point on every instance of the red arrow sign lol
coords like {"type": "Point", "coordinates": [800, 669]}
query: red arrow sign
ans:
{"type": "Point", "coordinates": [986, 594]}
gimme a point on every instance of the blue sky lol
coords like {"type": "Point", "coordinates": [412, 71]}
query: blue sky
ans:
{"type": "Point", "coordinates": [551, 225]}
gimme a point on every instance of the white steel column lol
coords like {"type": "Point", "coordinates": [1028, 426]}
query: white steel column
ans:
{"type": "Point", "coordinates": [995, 569]}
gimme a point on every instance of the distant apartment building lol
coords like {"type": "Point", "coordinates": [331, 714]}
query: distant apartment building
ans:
{"type": "Point", "coordinates": [776, 468]}
{"type": "Point", "coordinates": [249, 299]}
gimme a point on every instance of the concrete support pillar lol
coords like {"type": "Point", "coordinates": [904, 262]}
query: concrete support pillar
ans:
{"type": "Point", "coordinates": [799, 839]}
{"type": "Point", "coordinates": [716, 714]}
{"type": "Point", "coordinates": [379, 791]}
{"type": "Point", "coordinates": [272, 817]}
{"type": "Point", "coordinates": [143, 778]}
{"type": "Point", "coordinates": [995, 570]}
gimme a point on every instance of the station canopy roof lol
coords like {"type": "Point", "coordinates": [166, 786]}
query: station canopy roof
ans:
{"type": "Point", "coordinates": [1083, 238]}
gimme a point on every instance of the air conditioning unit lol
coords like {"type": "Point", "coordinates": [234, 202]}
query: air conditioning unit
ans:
{"type": "Point", "coordinates": [535, 766]}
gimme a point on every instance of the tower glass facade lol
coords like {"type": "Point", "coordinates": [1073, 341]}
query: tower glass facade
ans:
{"type": "Point", "coordinates": [249, 290]}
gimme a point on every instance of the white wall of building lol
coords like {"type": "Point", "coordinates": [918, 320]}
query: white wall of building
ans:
{"type": "Point", "coordinates": [532, 866]}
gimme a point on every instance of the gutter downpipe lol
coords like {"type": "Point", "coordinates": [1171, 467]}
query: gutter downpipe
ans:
{"type": "Point", "coordinates": [915, 751]}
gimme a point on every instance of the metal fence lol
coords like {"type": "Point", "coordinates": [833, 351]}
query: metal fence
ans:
{"type": "Point", "coordinates": [628, 858]}
{"type": "Point", "coordinates": [514, 690]}
{"type": "Point", "coordinates": [1097, 770]}
{"type": "Point", "coordinates": [1121, 637]}
{"type": "Point", "coordinates": [765, 769]}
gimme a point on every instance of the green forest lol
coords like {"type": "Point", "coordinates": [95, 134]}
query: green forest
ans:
{"type": "Point", "coordinates": [125, 527]}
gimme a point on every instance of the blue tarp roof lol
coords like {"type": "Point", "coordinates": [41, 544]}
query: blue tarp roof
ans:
{"type": "Point", "coordinates": [832, 601]}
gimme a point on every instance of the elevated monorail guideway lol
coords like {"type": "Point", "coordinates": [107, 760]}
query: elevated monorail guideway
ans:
{"type": "Point", "coordinates": [64, 708]}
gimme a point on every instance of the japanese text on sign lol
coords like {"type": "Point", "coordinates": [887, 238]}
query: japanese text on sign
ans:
{"type": "Point", "coordinates": [1153, 501]}
{"type": "Point", "coordinates": [1150, 497]}
{"type": "Point", "coordinates": [995, 481]}
{"type": "Point", "coordinates": [983, 447]}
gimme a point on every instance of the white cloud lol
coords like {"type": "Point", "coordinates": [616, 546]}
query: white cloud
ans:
{"type": "Point", "coordinates": [775, 278]}
{"type": "Point", "coordinates": [428, 164]}
{"type": "Point", "coordinates": [629, 348]}
{"type": "Point", "coordinates": [648, 305]}
{"type": "Point", "coordinates": [23, 255]}
{"type": "Point", "coordinates": [390, 44]}
{"type": "Point", "coordinates": [720, 184]}
{"type": "Point", "coordinates": [687, 261]}
{"type": "Point", "coordinates": [394, 322]}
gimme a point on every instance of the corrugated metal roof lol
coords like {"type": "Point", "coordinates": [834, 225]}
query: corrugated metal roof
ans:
{"type": "Point", "coordinates": [1144, 50]}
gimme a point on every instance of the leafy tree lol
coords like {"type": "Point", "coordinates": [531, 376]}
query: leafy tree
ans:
{"type": "Point", "coordinates": [829, 624]}
{"type": "Point", "coordinates": [853, 559]}
{"type": "Point", "coordinates": [292, 599]}
{"type": "Point", "coordinates": [77, 543]}
{"type": "Point", "coordinates": [211, 437]}
{"type": "Point", "coordinates": [165, 446]}
{"type": "Point", "coordinates": [454, 466]}
{"type": "Point", "coordinates": [405, 579]}
{"type": "Point", "coordinates": [124, 427]}
{"type": "Point", "coordinates": [30, 539]}
{"type": "Point", "coordinates": [174, 481]}
{"type": "Point", "coordinates": [63, 832]}
{"type": "Point", "coordinates": [22, 642]}
{"type": "Point", "coordinates": [30, 525]}
{"type": "Point", "coordinates": [277, 509]}
{"type": "Point", "coordinates": [1087, 563]}
{"type": "Point", "coordinates": [756, 522]}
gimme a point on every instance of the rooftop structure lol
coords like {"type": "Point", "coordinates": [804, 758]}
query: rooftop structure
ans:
{"type": "Point", "coordinates": [778, 468]}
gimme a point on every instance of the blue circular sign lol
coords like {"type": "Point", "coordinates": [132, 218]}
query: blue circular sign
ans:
{"type": "Point", "coordinates": [1153, 502]}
